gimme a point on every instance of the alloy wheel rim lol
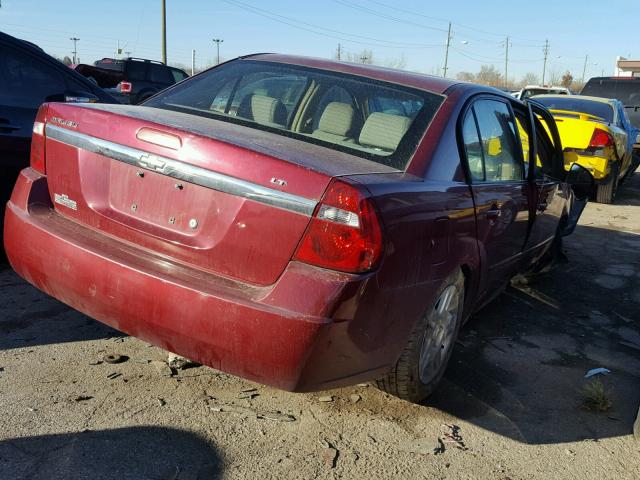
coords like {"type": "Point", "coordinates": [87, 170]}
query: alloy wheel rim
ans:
{"type": "Point", "coordinates": [439, 333]}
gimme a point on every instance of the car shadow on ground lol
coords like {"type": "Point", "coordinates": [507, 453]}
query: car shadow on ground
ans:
{"type": "Point", "coordinates": [29, 317]}
{"type": "Point", "coordinates": [124, 453]}
{"type": "Point", "coordinates": [519, 365]}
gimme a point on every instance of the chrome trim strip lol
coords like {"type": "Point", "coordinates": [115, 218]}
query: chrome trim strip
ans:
{"type": "Point", "coordinates": [183, 171]}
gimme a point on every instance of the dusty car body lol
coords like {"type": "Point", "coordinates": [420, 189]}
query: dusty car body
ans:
{"type": "Point", "coordinates": [597, 134]}
{"type": "Point", "coordinates": [305, 240]}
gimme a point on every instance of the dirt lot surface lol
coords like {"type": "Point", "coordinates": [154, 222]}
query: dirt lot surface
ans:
{"type": "Point", "coordinates": [511, 396]}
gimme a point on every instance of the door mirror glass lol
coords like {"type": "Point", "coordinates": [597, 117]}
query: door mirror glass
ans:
{"type": "Point", "coordinates": [581, 181]}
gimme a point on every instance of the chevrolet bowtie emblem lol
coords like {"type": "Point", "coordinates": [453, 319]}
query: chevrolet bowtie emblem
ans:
{"type": "Point", "coordinates": [151, 162]}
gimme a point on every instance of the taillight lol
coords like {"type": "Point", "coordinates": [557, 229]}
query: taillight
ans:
{"type": "Point", "coordinates": [125, 87]}
{"type": "Point", "coordinates": [344, 233]}
{"type": "Point", "coordinates": [600, 139]}
{"type": "Point", "coordinates": [38, 137]}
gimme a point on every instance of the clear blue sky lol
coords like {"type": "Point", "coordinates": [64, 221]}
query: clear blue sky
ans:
{"type": "Point", "coordinates": [390, 28]}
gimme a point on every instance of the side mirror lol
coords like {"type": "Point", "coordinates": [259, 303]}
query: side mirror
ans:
{"type": "Point", "coordinates": [581, 181]}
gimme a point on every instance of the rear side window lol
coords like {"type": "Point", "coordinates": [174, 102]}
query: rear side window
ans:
{"type": "Point", "coordinates": [27, 81]}
{"type": "Point", "coordinates": [178, 75]}
{"type": "Point", "coordinates": [500, 149]}
{"type": "Point", "coordinates": [376, 120]}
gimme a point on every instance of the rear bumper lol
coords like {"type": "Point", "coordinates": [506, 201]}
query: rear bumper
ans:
{"type": "Point", "coordinates": [295, 335]}
{"type": "Point", "coordinates": [599, 167]}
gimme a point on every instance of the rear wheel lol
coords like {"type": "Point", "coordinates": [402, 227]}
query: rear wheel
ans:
{"type": "Point", "coordinates": [425, 357]}
{"type": "Point", "coordinates": [606, 192]}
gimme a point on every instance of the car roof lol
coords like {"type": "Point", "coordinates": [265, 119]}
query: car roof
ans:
{"type": "Point", "coordinates": [411, 79]}
{"type": "Point", "coordinates": [579, 97]}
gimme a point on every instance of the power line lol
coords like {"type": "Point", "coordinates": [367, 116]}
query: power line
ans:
{"type": "Point", "coordinates": [385, 16]}
{"type": "Point", "coordinates": [455, 24]}
{"type": "Point", "coordinates": [336, 34]}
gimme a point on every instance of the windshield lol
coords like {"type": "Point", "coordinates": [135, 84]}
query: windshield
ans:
{"type": "Point", "coordinates": [627, 91]}
{"type": "Point", "coordinates": [572, 103]}
{"type": "Point", "coordinates": [376, 120]}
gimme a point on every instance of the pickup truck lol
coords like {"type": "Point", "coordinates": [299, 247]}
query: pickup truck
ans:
{"type": "Point", "coordinates": [131, 80]}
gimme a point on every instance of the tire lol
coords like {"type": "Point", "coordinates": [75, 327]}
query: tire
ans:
{"type": "Point", "coordinates": [414, 378]}
{"type": "Point", "coordinates": [606, 192]}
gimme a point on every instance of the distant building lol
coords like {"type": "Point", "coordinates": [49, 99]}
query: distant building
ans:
{"type": "Point", "coordinates": [627, 68]}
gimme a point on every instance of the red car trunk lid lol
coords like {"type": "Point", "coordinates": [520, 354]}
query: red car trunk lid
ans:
{"type": "Point", "coordinates": [211, 204]}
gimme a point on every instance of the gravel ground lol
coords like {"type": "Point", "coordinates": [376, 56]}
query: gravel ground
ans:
{"type": "Point", "coordinates": [508, 408]}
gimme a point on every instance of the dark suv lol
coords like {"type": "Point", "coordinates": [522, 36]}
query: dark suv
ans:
{"type": "Point", "coordinates": [132, 80]}
{"type": "Point", "coordinates": [625, 89]}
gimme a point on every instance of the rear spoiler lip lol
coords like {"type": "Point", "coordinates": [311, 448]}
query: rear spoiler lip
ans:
{"type": "Point", "coordinates": [183, 171]}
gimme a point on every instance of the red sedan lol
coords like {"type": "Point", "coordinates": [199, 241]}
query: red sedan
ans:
{"type": "Point", "coordinates": [298, 222]}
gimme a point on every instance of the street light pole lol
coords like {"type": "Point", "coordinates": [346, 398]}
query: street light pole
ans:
{"type": "Point", "coordinates": [75, 41]}
{"type": "Point", "coordinates": [218, 41]}
{"type": "Point", "coordinates": [584, 69]}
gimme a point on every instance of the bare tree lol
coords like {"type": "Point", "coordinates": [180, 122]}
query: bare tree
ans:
{"type": "Point", "coordinates": [529, 78]}
{"type": "Point", "coordinates": [554, 77]}
{"type": "Point", "coordinates": [567, 79]}
{"type": "Point", "coordinates": [489, 75]}
{"type": "Point", "coordinates": [398, 62]}
{"type": "Point", "coordinates": [466, 76]}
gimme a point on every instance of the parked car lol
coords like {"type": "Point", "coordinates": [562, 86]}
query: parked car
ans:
{"type": "Point", "coordinates": [595, 133]}
{"type": "Point", "coordinates": [625, 89]}
{"type": "Point", "coordinates": [29, 77]}
{"type": "Point", "coordinates": [334, 224]}
{"type": "Point", "coordinates": [132, 80]}
{"type": "Point", "coordinates": [531, 90]}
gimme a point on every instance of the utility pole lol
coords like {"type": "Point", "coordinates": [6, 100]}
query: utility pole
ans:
{"type": "Point", "coordinates": [506, 63]}
{"type": "Point", "coordinates": [584, 69]}
{"type": "Point", "coordinates": [546, 54]}
{"type": "Point", "coordinates": [164, 32]}
{"type": "Point", "coordinates": [339, 51]}
{"type": "Point", "coordinates": [218, 41]}
{"type": "Point", "coordinates": [75, 41]}
{"type": "Point", "coordinates": [446, 51]}
{"type": "Point", "coordinates": [193, 62]}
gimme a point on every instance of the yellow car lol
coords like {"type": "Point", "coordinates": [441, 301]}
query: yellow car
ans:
{"type": "Point", "coordinates": [595, 133]}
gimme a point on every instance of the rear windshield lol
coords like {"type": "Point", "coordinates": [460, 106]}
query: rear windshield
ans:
{"type": "Point", "coordinates": [530, 92]}
{"type": "Point", "coordinates": [376, 120]}
{"type": "Point", "coordinates": [627, 91]}
{"type": "Point", "coordinates": [575, 104]}
{"type": "Point", "coordinates": [110, 64]}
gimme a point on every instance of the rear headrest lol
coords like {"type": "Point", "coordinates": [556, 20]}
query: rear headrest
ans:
{"type": "Point", "coordinates": [263, 109]}
{"type": "Point", "coordinates": [384, 130]}
{"type": "Point", "coordinates": [337, 119]}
